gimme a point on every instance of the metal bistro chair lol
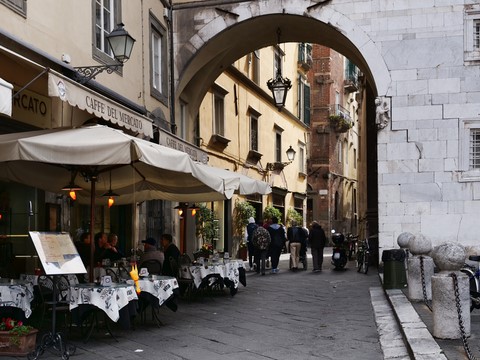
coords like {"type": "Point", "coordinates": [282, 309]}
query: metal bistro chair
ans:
{"type": "Point", "coordinates": [154, 266]}
{"type": "Point", "coordinates": [147, 300]}
{"type": "Point", "coordinates": [112, 274]}
{"type": "Point", "coordinates": [186, 284]}
{"type": "Point", "coordinates": [61, 302]}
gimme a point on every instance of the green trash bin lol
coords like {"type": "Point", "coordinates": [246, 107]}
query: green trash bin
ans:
{"type": "Point", "coordinates": [394, 273]}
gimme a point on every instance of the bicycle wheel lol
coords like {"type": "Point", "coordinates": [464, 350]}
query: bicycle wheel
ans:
{"type": "Point", "coordinates": [360, 256]}
{"type": "Point", "coordinates": [473, 285]}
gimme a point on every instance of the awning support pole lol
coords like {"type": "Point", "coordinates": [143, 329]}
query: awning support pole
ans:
{"type": "Point", "coordinates": [30, 82]}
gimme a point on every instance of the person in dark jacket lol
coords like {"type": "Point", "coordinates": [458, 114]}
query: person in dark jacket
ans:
{"type": "Point", "coordinates": [170, 250]}
{"type": "Point", "coordinates": [317, 240]}
{"type": "Point", "coordinates": [249, 238]}
{"type": "Point", "coordinates": [278, 237]}
{"type": "Point", "coordinates": [297, 238]}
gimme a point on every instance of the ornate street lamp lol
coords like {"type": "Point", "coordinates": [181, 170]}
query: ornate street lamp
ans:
{"type": "Point", "coordinates": [121, 43]}
{"type": "Point", "coordinates": [280, 165]}
{"type": "Point", "coordinates": [279, 86]}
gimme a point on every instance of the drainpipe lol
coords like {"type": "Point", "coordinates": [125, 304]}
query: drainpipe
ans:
{"type": "Point", "coordinates": [173, 126]}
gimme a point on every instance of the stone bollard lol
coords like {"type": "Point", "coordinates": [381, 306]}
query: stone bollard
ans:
{"type": "Point", "coordinates": [449, 258]}
{"type": "Point", "coordinates": [402, 241]}
{"type": "Point", "coordinates": [419, 246]}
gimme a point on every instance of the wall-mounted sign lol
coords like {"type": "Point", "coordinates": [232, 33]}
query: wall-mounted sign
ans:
{"type": "Point", "coordinates": [32, 108]}
{"type": "Point", "coordinates": [171, 141]}
{"type": "Point", "coordinates": [98, 105]}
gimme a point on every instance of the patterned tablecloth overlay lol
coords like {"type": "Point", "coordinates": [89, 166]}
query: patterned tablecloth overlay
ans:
{"type": "Point", "coordinates": [162, 288]}
{"type": "Point", "coordinates": [228, 270]}
{"type": "Point", "coordinates": [18, 294]}
{"type": "Point", "coordinates": [109, 299]}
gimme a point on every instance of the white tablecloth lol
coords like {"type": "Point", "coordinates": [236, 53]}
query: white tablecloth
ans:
{"type": "Point", "coordinates": [19, 294]}
{"type": "Point", "coordinates": [109, 299]}
{"type": "Point", "coordinates": [228, 270]}
{"type": "Point", "coordinates": [162, 288]}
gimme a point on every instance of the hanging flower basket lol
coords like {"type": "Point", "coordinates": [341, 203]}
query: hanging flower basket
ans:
{"type": "Point", "coordinates": [340, 123]}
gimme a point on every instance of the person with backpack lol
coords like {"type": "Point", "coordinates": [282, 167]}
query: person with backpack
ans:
{"type": "Point", "coordinates": [278, 238]}
{"type": "Point", "coordinates": [249, 239]}
{"type": "Point", "coordinates": [261, 241]}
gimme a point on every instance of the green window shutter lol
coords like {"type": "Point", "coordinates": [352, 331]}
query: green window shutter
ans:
{"type": "Point", "coordinates": [306, 104]}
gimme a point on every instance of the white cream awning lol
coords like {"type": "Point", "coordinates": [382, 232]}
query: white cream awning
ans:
{"type": "Point", "coordinates": [5, 97]}
{"type": "Point", "coordinates": [96, 104]}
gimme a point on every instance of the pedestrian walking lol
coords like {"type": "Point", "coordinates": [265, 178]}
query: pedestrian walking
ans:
{"type": "Point", "coordinates": [249, 239]}
{"type": "Point", "coordinates": [317, 240]}
{"type": "Point", "coordinates": [278, 238]}
{"type": "Point", "coordinates": [261, 241]}
{"type": "Point", "coordinates": [297, 239]}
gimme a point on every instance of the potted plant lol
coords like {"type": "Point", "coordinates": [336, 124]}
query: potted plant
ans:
{"type": "Point", "coordinates": [16, 339]}
{"type": "Point", "coordinates": [242, 211]}
{"type": "Point", "coordinates": [207, 230]}
{"type": "Point", "coordinates": [294, 215]}
{"type": "Point", "coordinates": [269, 212]}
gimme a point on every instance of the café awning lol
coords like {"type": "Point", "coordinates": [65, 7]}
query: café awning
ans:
{"type": "Point", "coordinates": [97, 104]}
{"type": "Point", "coordinates": [246, 185]}
{"type": "Point", "coordinates": [5, 97]}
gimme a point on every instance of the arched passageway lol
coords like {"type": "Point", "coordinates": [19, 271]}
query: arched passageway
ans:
{"type": "Point", "coordinates": [420, 56]}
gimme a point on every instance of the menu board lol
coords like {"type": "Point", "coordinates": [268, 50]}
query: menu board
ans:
{"type": "Point", "coordinates": [57, 253]}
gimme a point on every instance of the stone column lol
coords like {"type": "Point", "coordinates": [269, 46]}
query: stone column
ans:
{"type": "Point", "coordinates": [449, 258]}
{"type": "Point", "coordinates": [414, 279]}
{"type": "Point", "coordinates": [419, 246]}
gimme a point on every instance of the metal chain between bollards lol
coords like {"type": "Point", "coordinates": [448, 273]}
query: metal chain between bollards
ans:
{"type": "Point", "coordinates": [460, 319]}
{"type": "Point", "coordinates": [424, 288]}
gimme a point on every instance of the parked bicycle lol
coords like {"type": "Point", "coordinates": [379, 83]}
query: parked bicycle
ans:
{"type": "Point", "coordinates": [352, 245]}
{"type": "Point", "coordinates": [363, 256]}
{"type": "Point", "coordinates": [473, 273]}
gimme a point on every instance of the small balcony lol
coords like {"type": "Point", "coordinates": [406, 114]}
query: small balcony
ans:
{"type": "Point", "coordinates": [340, 119]}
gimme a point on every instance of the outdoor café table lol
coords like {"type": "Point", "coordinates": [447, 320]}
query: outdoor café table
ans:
{"type": "Point", "coordinates": [229, 271]}
{"type": "Point", "coordinates": [156, 292]}
{"type": "Point", "coordinates": [162, 287]}
{"type": "Point", "coordinates": [16, 294]}
{"type": "Point", "coordinates": [118, 302]}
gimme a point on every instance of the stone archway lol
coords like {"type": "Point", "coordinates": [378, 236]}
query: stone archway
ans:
{"type": "Point", "coordinates": [420, 56]}
{"type": "Point", "coordinates": [208, 38]}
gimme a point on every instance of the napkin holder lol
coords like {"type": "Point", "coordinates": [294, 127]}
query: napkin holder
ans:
{"type": "Point", "coordinates": [106, 280]}
{"type": "Point", "coordinates": [143, 272]}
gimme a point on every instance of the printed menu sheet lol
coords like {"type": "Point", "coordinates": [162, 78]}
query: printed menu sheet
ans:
{"type": "Point", "coordinates": [57, 253]}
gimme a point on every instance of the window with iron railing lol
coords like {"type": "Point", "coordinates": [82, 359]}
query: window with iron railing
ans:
{"type": "Point", "coordinates": [338, 109]}
{"type": "Point", "coordinates": [474, 153]}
